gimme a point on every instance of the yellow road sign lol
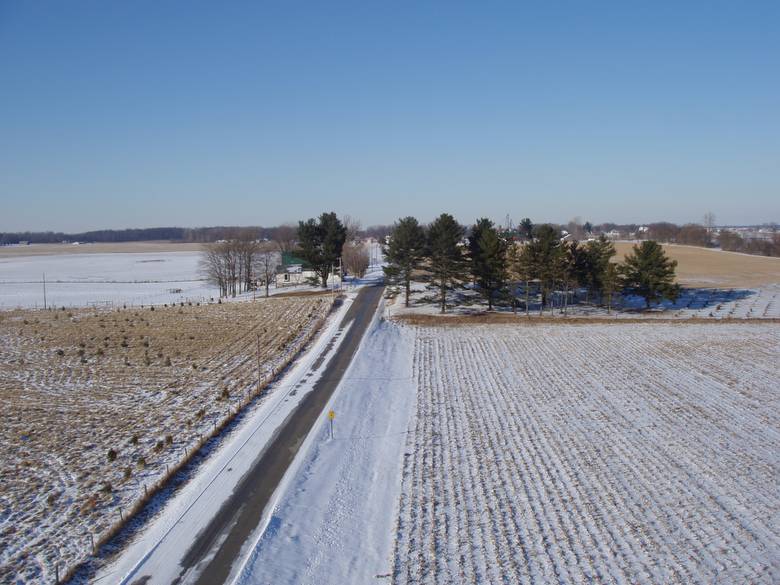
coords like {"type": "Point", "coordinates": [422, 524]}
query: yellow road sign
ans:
{"type": "Point", "coordinates": [331, 415]}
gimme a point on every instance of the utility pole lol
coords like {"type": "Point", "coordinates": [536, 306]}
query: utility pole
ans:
{"type": "Point", "coordinates": [258, 364]}
{"type": "Point", "coordinates": [44, 290]}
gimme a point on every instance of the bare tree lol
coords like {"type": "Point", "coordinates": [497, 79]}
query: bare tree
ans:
{"type": "Point", "coordinates": [213, 266]}
{"type": "Point", "coordinates": [266, 261]}
{"type": "Point", "coordinates": [356, 258]}
{"type": "Point", "coordinates": [286, 236]}
{"type": "Point", "coordinates": [709, 221]}
{"type": "Point", "coordinates": [229, 264]}
{"type": "Point", "coordinates": [353, 228]}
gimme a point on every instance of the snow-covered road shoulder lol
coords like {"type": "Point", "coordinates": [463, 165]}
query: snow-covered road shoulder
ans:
{"type": "Point", "coordinates": [336, 511]}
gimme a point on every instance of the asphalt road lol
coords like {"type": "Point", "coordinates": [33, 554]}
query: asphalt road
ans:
{"type": "Point", "coordinates": [215, 549]}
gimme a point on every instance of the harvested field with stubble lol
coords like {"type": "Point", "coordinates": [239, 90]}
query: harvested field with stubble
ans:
{"type": "Point", "coordinates": [705, 267]}
{"type": "Point", "coordinates": [593, 453]}
{"type": "Point", "coordinates": [98, 407]}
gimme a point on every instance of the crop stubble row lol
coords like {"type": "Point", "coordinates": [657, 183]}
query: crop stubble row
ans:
{"type": "Point", "coordinates": [609, 453]}
{"type": "Point", "coordinates": [61, 412]}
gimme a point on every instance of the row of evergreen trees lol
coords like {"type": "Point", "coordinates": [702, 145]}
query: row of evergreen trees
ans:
{"type": "Point", "coordinates": [500, 268]}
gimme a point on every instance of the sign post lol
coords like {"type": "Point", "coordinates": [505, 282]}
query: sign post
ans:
{"type": "Point", "coordinates": [331, 416]}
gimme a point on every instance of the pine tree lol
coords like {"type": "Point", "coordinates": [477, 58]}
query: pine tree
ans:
{"type": "Point", "coordinates": [599, 253]}
{"type": "Point", "coordinates": [449, 265]}
{"type": "Point", "coordinates": [526, 228]}
{"type": "Point", "coordinates": [565, 269]}
{"type": "Point", "coordinates": [543, 255]}
{"type": "Point", "coordinates": [488, 259]}
{"type": "Point", "coordinates": [320, 243]}
{"type": "Point", "coordinates": [610, 283]}
{"type": "Point", "coordinates": [405, 252]}
{"type": "Point", "coordinates": [520, 267]}
{"type": "Point", "coordinates": [649, 273]}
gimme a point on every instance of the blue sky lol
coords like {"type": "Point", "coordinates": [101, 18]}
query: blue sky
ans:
{"type": "Point", "coordinates": [131, 114]}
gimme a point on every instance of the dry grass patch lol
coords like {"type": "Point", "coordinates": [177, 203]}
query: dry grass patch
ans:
{"type": "Point", "coordinates": [702, 267]}
{"type": "Point", "coordinates": [95, 407]}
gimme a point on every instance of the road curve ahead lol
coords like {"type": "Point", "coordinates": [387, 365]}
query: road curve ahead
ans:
{"type": "Point", "coordinates": [216, 549]}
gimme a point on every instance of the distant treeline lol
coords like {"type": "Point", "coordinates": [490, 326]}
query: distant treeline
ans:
{"type": "Point", "coordinates": [174, 234]}
{"type": "Point", "coordinates": [730, 240]}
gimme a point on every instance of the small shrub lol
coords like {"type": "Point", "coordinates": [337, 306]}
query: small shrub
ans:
{"type": "Point", "coordinates": [111, 455]}
{"type": "Point", "coordinates": [89, 505]}
{"type": "Point", "coordinates": [201, 413]}
{"type": "Point", "coordinates": [134, 440]}
{"type": "Point", "coordinates": [141, 462]}
{"type": "Point", "coordinates": [168, 361]}
{"type": "Point", "coordinates": [51, 498]}
{"type": "Point", "coordinates": [158, 446]}
{"type": "Point", "coordinates": [169, 439]}
{"type": "Point", "coordinates": [107, 488]}
{"type": "Point", "coordinates": [60, 352]}
{"type": "Point", "coordinates": [128, 472]}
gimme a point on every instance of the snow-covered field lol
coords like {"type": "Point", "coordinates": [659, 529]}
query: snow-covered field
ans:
{"type": "Point", "coordinates": [79, 280]}
{"type": "Point", "coordinates": [614, 453]}
{"type": "Point", "coordinates": [97, 405]}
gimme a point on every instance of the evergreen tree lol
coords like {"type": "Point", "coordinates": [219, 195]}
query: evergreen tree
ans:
{"type": "Point", "coordinates": [649, 273]}
{"type": "Point", "coordinates": [405, 252]}
{"type": "Point", "coordinates": [565, 271]}
{"type": "Point", "coordinates": [599, 253]}
{"type": "Point", "coordinates": [520, 267]}
{"type": "Point", "coordinates": [526, 228]}
{"type": "Point", "coordinates": [320, 243]}
{"type": "Point", "coordinates": [544, 253]}
{"type": "Point", "coordinates": [449, 264]}
{"type": "Point", "coordinates": [488, 259]}
{"type": "Point", "coordinates": [611, 283]}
